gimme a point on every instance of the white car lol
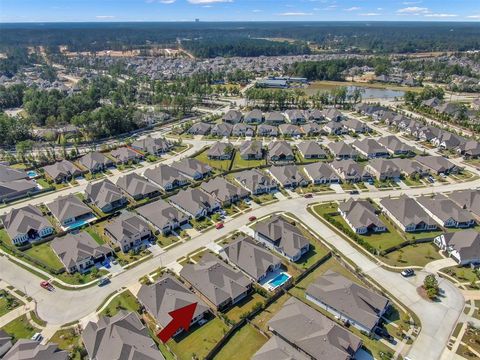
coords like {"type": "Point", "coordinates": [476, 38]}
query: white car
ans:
{"type": "Point", "coordinates": [37, 337]}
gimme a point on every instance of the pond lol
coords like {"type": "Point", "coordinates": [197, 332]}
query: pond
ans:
{"type": "Point", "coordinates": [368, 92]}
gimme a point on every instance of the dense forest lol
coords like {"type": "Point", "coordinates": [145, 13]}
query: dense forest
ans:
{"type": "Point", "coordinates": [214, 39]}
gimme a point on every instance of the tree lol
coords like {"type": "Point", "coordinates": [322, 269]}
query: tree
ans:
{"type": "Point", "coordinates": [430, 284]}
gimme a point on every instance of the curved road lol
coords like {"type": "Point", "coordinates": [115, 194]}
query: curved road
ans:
{"type": "Point", "coordinates": [438, 319]}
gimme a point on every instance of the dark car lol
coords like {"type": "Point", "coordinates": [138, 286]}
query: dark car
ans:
{"type": "Point", "coordinates": [103, 281]}
{"type": "Point", "coordinates": [354, 192]}
{"type": "Point", "coordinates": [407, 272]}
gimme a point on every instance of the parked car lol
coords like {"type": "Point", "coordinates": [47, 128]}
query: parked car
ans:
{"type": "Point", "coordinates": [407, 272]}
{"type": "Point", "coordinates": [354, 192]}
{"type": "Point", "coordinates": [219, 225]}
{"type": "Point", "coordinates": [431, 179]}
{"type": "Point", "coordinates": [308, 196]}
{"type": "Point", "coordinates": [103, 281]}
{"type": "Point", "coordinates": [46, 285]}
{"type": "Point", "coordinates": [252, 218]}
{"type": "Point", "coordinates": [37, 337]}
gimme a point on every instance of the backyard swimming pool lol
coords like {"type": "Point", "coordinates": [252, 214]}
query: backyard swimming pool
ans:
{"type": "Point", "coordinates": [278, 280]}
{"type": "Point", "coordinates": [32, 174]}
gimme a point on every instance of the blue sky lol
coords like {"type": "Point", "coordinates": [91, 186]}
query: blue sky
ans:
{"type": "Point", "coordinates": [238, 10]}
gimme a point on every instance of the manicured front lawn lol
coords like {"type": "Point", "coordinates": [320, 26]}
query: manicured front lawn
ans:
{"type": "Point", "coordinates": [201, 224]}
{"type": "Point", "coordinates": [244, 307]}
{"type": "Point", "coordinates": [8, 302]}
{"type": "Point", "coordinates": [46, 255]}
{"type": "Point", "coordinates": [239, 163]}
{"type": "Point", "coordinates": [78, 279]}
{"type": "Point", "coordinates": [462, 274]}
{"type": "Point", "coordinates": [68, 340]}
{"type": "Point", "coordinates": [165, 240]}
{"type": "Point", "coordinates": [199, 341]}
{"type": "Point", "coordinates": [20, 328]}
{"type": "Point", "coordinates": [264, 198]}
{"type": "Point", "coordinates": [124, 301]}
{"type": "Point", "coordinates": [218, 164]}
{"type": "Point", "coordinates": [243, 344]}
{"type": "Point", "coordinates": [413, 255]}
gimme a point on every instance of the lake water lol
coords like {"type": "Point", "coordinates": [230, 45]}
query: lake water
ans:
{"type": "Point", "coordinates": [367, 92]}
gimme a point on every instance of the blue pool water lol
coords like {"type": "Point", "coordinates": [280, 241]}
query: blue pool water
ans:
{"type": "Point", "coordinates": [279, 280]}
{"type": "Point", "coordinates": [31, 173]}
{"type": "Point", "coordinates": [77, 224]}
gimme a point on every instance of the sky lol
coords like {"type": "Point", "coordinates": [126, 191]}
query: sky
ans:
{"type": "Point", "coordinates": [238, 10]}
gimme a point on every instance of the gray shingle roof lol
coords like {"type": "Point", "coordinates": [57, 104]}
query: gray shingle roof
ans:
{"type": "Point", "coordinates": [126, 226]}
{"type": "Point", "coordinates": [444, 208]}
{"type": "Point", "coordinates": [251, 148]}
{"type": "Point", "coordinates": [33, 350]}
{"type": "Point", "coordinates": [436, 163]}
{"type": "Point", "coordinates": [93, 159]}
{"type": "Point", "coordinates": [311, 148]}
{"type": "Point", "coordinates": [22, 220]}
{"type": "Point", "coordinates": [160, 213]}
{"type": "Point", "coordinates": [125, 154]}
{"type": "Point", "coordinates": [217, 281]}
{"type": "Point", "coordinates": [103, 193]}
{"type": "Point", "coordinates": [314, 333]}
{"type": "Point", "coordinates": [394, 144]}
{"type": "Point", "coordinates": [361, 214]}
{"type": "Point", "coordinates": [254, 179]}
{"type": "Point", "coordinates": [136, 185]}
{"type": "Point", "coordinates": [341, 149]}
{"type": "Point", "coordinates": [62, 169]}
{"type": "Point", "coordinates": [369, 146]}
{"type": "Point", "coordinates": [122, 337]}
{"type": "Point", "coordinates": [168, 294]}
{"type": "Point", "coordinates": [190, 167]}
{"type": "Point", "coordinates": [279, 148]}
{"type": "Point", "coordinates": [467, 199]}
{"type": "Point", "coordinates": [68, 206]}
{"type": "Point", "coordinates": [9, 174]}
{"type": "Point", "coordinates": [349, 298]}
{"type": "Point", "coordinates": [10, 189]}
{"type": "Point", "coordinates": [466, 242]}
{"type": "Point", "coordinates": [277, 349]}
{"type": "Point", "coordinates": [288, 175]}
{"type": "Point", "coordinates": [220, 149]}
{"type": "Point", "coordinates": [152, 145]}
{"type": "Point", "coordinates": [164, 175]}
{"type": "Point", "coordinates": [318, 171]}
{"type": "Point", "coordinates": [407, 211]}
{"type": "Point", "coordinates": [223, 190]}
{"type": "Point", "coordinates": [193, 200]}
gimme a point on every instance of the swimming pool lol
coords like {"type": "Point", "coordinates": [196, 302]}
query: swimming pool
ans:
{"type": "Point", "coordinates": [32, 174]}
{"type": "Point", "coordinates": [278, 280]}
{"type": "Point", "coordinates": [77, 224]}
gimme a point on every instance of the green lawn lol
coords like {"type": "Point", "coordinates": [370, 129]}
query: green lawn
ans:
{"type": "Point", "coordinates": [68, 340]}
{"type": "Point", "coordinates": [199, 340]}
{"type": "Point", "coordinates": [264, 198]}
{"type": "Point", "coordinates": [413, 255]}
{"type": "Point", "coordinates": [243, 344]}
{"type": "Point", "coordinates": [316, 252]}
{"type": "Point", "coordinates": [8, 302]}
{"type": "Point", "coordinates": [239, 163]}
{"type": "Point", "coordinates": [78, 279]}
{"type": "Point", "coordinates": [5, 238]}
{"type": "Point", "coordinates": [201, 224]}
{"type": "Point", "coordinates": [43, 183]}
{"type": "Point", "coordinates": [218, 164]}
{"type": "Point", "coordinates": [462, 274]}
{"type": "Point", "coordinates": [20, 328]}
{"type": "Point", "coordinates": [165, 240]}
{"type": "Point", "coordinates": [124, 301]}
{"type": "Point", "coordinates": [244, 307]}
{"type": "Point", "coordinates": [264, 317]}
{"type": "Point", "coordinates": [46, 255]}
{"type": "Point", "coordinates": [95, 232]}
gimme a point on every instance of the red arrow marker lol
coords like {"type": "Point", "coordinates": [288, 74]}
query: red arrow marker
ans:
{"type": "Point", "coordinates": [181, 318]}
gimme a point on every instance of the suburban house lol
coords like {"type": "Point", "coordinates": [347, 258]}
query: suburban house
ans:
{"type": "Point", "coordinates": [267, 130]}
{"type": "Point", "coordinates": [5, 343]}
{"type": "Point", "coordinates": [118, 337]}
{"type": "Point", "coordinates": [334, 128]}
{"type": "Point", "coordinates": [438, 164]}
{"type": "Point", "coordinates": [355, 126]}
{"type": "Point", "coordinates": [395, 146]}
{"type": "Point", "coordinates": [285, 238]}
{"type": "Point", "coordinates": [253, 117]}
{"type": "Point", "coordinates": [29, 349]}
{"type": "Point", "coordinates": [252, 258]}
{"type": "Point", "coordinates": [332, 115]}
{"type": "Point", "coordinates": [408, 214]}
{"type": "Point", "coordinates": [384, 169]}
{"type": "Point", "coordinates": [251, 150]}
{"type": "Point", "coordinates": [95, 161]}
{"type": "Point", "coordinates": [277, 348]}
{"type": "Point", "coordinates": [232, 117]}
{"type": "Point", "coordinates": [342, 151]}
{"type": "Point", "coordinates": [467, 199]}
{"type": "Point", "coordinates": [290, 130]}
{"type": "Point", "coordinates": [105, 195]}
{"type": "Point", "coordinates": [321, 173]}
{"type": "Point", "coordinates": [295, 116]}
{"type": "Point", "coordinates": [195, 202]}
{"type": "Point", "coordinates": [280, 151]}
{"type": "Point", "coordinates": [221, 129]}
{"type": "Point", "coordinates": [125, 155]}
{"type": "Point", "coordinates": [288, 176]}
{"type": "Point", "coordinates": [306, 329]}
{"type": "Point", "coordinates": [163, 216]}
{"type": "Point", "coordinates": [79, 252]}
{"type": "Point", "coordinates": [15, 184]}
{"type": "Point", "coordinates": [312, 129]}
{"type": "Point", "coordinates": [167, 294]}
{"type": "Point", "coordinates": [70, 211]}
{"type": "Point", "coordinates": [370, 148]}
{"type": "Point", "coordinates": [361, 216]}
{"type": "Point", "coordinates": [462, 246]}
{"type": "Point", "coordinates": [167, 177]}
{"type": "Point", "coordinates": [223, 191]}
{"type": "Point", "coordinates": [347, 300]}
{"type": "Point", "coordinates": [153, 146]}
{"type": "Point", "coordinates": [128, 231]}
{"type": "Point", "coordinates": [242, 129]}
{"type": "Point", "coordinates": [26, 224]}
{"type": "Point", "coordinates": [255, 181]}
{"type": "Point", "coordinates": [137, 187]}
{"type": "Point", "coordinates": [411, 168]}
{"type": "Point", "coordinates": [62, 171]}
{"type": "Point", "coordinates": [311, 150]}
{"type": "Point", "coordinates": [469, 149]}
{"type": "Point", "coordinates": [219, 284]}
{"type": "Point", "coordinates": [315, 115]}
{"type": "Point", "coordinates": [349, 171]}
{"type": "Point", "coordinates": [446, 212]}
{"type": "Point", "coordinates": [220, 151]}
{"type": "Point", "coordinates": [274, 118]}
{"type": "Point", "coordinates": [199, 128]}
{"type": "Point", "coordinates": [192, 168]}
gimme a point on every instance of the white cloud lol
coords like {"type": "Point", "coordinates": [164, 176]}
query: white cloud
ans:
{"type": "Point", "coordinates": [411, 2]}
{"type": "Point", "coordinates": [167, 1]}
{"type": "Point", "coordinates": [353, 8]}
{"type": "Point", "coordinates": [104, 16]}
{"type": "Point", "coordinates": [474, 16]}
{"type": "Point", "coordinates": [413, 10]}
{"type": "Point", "coordinates": [294, 14]}
{"type": "Point", "coordinates": [201, 2]}
{"type": "Point", "coordinates": [441, 15]}
{"type": "Point", "coordinates": [370, 14]}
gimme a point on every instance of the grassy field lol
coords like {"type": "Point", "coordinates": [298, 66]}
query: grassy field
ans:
{"type": "Point", "coordinates": [124, 301]}
{"type": "Point", "coordinates": [8, 302]}
{"type": "Point", "coordinates": [243, 345]}
{"type": "Point", "coordinates": [244, 307]}
{"type": "Point", "coordinates": [239, 163]}
{"type": "Point", "coordinates": [218, 164]}
{"type": "Point", "coordinates": [462, 274]}
{"type": "Point", "coordinates": [20, 328]}
{"type": "Point", "coordinates": [199, 340]}
{"type": "Point", "coordinates": [67, 340]}
{"type": "Point", "coordinates": [46, 255]}
{"type": "Point", "coordinates": [413, 255]}
{"type": "Point", "coordinates": [264, 317]}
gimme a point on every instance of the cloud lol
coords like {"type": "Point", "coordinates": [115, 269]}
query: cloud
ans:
{"type": "Point", "coordinates": [167, 1]}
{"type": "Point", "coordinates": [256, 10]}
{"type": "Point", "coordinates": [441, 15]}
{"type": "Point", "coordinates": [411, 2]}
{"type": "Point", "coordinates": [370, 14]}
{"type": "Point", "coordinates": [353, 8]}
{"type": "Point", "coordinates": [202, 2]}
{"type": "Point", "coordinates": [413, 10]}
{"type": "Point", "coordinates": [474, 16]}
{"type": "Point", "coordinates": [294, 14]}
{"type": "Point", "coordinates": [104, 16]}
